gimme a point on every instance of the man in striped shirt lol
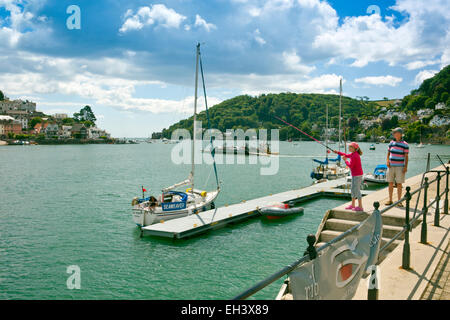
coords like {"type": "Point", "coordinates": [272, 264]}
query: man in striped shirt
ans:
{"type": "Point", "coordinates": [397, 162]}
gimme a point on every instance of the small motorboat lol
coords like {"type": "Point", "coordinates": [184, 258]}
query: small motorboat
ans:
{"type": "Point", "coordinates": [328, 171]}
{"type": "Point", "coordinates": [280, 210]}
{"type": "Point", "coordinates": [378, 176]}
{"type": "Point", "coordinates": [372, 147]}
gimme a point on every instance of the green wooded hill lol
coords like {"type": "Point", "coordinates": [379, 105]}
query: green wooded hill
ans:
{"type": "Point", "coordinates": [307, 112]}
{"type": "Point", "coordinates": [431, 92]}
{"type": "Point", "coordinates": [302, 110]}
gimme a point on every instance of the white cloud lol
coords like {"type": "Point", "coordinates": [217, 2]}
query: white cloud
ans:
{"type": "Point", "coordinates": [255, 84]}
{"type": "Point", "coordinates": [258, 38]}
{"type": "Point", "coordinates": [380, 81]}
{"type": "Point", "coordinates": [18, 21]}
{"type": "Point", "coordinates": [293, 62]}
{"type": "Point", "coordinates": [420, 64]}
{"type": "Point", "coordinates": [201, 23]}
{"type": "Point", "coordinates": [369, 38]}
{"type": "Point", "coordinates": [157, 14]}
{"type": "Point", "coordinates": [100, 82]}
{"type": "Point", "coordinates": [424, 75]}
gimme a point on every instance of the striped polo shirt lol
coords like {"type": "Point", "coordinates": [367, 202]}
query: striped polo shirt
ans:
{"type": "Point", "coordinates": [398, 150]}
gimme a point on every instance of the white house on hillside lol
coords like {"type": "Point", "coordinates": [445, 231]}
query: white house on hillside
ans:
{"type": "Point", "coordinates": [97, 133]}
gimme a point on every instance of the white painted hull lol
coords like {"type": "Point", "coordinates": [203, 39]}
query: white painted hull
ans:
{"type": "Point", "coordinates": [370, 178]}
{"type": "Point", "coordinates": [332, 173]}
{"type": "Point", "coordinates": [144, 216]}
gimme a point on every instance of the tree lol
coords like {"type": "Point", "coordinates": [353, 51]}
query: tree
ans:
{"type": "Point", "coordinates": [353, 122]}
{"type": "Point", "coordinates": [67, 121]}
{"type": "Point", "coordinates": [85, 114]}
{"type": "Point", "coordinates": [2, 96]}
{"type": "Point", "coordinates": [35, 121]}
{"type": "Point", "coordinates": [394, 121]}
{"type": "Point", "coordinates": [417, 102]}
{"type": "Point", "coordinates": [386, 124]}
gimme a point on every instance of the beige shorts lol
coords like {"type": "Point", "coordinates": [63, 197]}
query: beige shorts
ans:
{"type": "Point", "coordinates": [395, 175]}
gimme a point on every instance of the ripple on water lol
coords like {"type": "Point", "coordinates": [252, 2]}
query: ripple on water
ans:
{"type": "Point", "coordinates": [69, 205]}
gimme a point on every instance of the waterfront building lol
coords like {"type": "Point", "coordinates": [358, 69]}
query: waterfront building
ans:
{"type": "Point", "coordinates": [439, 121]}
{"type": "Point", "coordinates": [440, 106]}
{"type": "Point", "coordinates": [97, 133]}
{"type": "Point", "coordinates": [15, 105]}
{"type": "Point", "coordinates": [60, 116]}
{"type": "Point", "coordinates": [422, 113]}
{"type": "Point", "coordinates": [20, 115]}
{"type": "Point", "coordinates": [79, 131]}
{"type": "Point", "coordinates": [9, 125]}
{"type": "Point", "coordinates": [40, 128]}
{"type": "Point", "coordinates": [65, 132]}
{"type": "Point", "coordinates": [51, 130]}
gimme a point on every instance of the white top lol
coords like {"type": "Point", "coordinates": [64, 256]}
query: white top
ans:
{"type": "Point", "coordinates": [7, 118]}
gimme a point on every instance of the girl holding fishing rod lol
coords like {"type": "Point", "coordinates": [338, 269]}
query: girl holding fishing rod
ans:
{"type": "Point", "coordinates": [354, 164]}
{"type": "Point", "coordinates": [353, 161]}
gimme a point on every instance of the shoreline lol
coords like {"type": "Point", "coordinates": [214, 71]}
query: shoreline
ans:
{"type": "Point", "coordinates": [12, 142]}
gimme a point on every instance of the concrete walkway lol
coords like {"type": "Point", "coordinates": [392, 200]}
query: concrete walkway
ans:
{"type": "Point", "coordinates": [439, 286]}
{"type": "Point", "coordinates": [428, 277]}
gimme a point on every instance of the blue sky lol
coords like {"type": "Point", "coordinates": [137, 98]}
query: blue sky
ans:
{"type": "Point", "coordinates": [133, 61]}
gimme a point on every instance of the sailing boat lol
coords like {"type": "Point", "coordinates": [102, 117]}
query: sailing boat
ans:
{"type": "Point", "coordinates": [333, 170]}
{"type": "Point", "coordinates": [172, 204]}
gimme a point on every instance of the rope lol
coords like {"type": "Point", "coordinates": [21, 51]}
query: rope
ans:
{"type": "Point", "coordinates": [213, 151]}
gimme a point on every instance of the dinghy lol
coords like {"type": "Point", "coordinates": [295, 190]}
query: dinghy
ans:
{"type": "Point", "coordinates": [280, 210]}
{"type": "Point", "coordinates": [172, 204]}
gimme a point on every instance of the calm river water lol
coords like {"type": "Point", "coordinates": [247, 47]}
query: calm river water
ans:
{"type": "Point", "coordinates": [70, 205]}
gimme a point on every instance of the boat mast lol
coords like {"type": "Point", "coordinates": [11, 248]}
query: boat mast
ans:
{"type": "Point", "coordinates": [194, 131]}
{"type": "Point", "coordinates": [340, 113]}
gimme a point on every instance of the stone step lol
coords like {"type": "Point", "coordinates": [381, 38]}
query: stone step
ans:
{"type": "Point", "coordinates": [388, 219]}
{"type": "Point", "coordinates": [382, 255]}
{"type": "Point", "coordinates": [328, 235]}
{"type": "Point", "coordinates": [344, 225]}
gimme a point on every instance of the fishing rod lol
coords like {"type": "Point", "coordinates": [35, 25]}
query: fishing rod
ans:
{"type": "Point", "coordinates": [305, 133]}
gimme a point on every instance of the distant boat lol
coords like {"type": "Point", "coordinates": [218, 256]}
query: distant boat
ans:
{"type": "Point", "coordinates": [372, 147]}
{"type": "Point", "coordinates": [328, 171]}
{"type": "Point", "coordinates": [420, 146]}
{"type": "Point", "coordinates": [378, 176]}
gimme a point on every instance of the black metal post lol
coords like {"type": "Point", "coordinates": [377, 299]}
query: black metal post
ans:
{"type": "Point", "coordinates": [311, 250]}
{"type": "Point", "coordinates": [406, 249]}
{"type": "Point", "coordinates": [423, 233]}
{"type": "Point", "coordinates": [437, 213]}
{"type": "Point", "coordinates": [447, 172]}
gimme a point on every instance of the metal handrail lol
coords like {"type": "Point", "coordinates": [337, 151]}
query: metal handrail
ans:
{"type": "Point", "coordinates": [312, 252]}
{"type": "Point", "coordinates": [277, 275]}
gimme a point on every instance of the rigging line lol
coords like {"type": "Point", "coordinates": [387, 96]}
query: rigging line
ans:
{"type": "Point", "coordinates": [207, 180]}
{"type": "Point", "coordinates": [213, 150]}
{"type": "Point", "coordinates": [304, 133]}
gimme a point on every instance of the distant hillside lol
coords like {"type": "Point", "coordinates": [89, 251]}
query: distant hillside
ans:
{"type": "Point", "coordinates": [302, 110]}
{"type": "Point", "coordinates": [364, 120]}
{"type": "Point", "coordinates": [431, 92]}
